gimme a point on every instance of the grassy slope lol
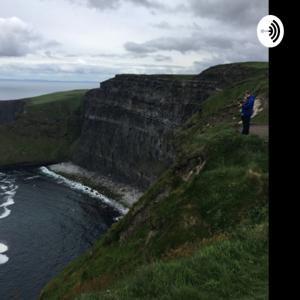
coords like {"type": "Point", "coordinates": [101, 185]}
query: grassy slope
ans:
{"type": "Point", "coordinates": [200, 232]}
{"type": "Point", "coordinates": [45, 132]}
{"type": "Point", "coordinates": [233, 268]}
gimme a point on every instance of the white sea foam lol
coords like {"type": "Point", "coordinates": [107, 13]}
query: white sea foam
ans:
{"type": "Point", "coordinates": [10, 192]}
{"type": "Point", "coordinates": [3, 248]}
{"type": "Point", "coordinates": [32, 177]}
{"type": "Point", "coordinates": [84, 189]}
{"type": "Point", "coordinates": [6, 213]}
{"type": "Point", "coordinates": [3, 258]}
{"type": "Point", "coordinates": [7, 192]}
{"type": "Point", "coordinates": [9, 201]}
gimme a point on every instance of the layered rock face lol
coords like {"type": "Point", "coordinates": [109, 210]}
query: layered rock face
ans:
{"type": "Point", "coordinates": [130, 120]}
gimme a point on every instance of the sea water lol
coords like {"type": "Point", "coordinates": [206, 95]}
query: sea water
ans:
{"type": "Point", "coordinates": [19, 89]}
{"type": "Point", "coordinates": [45, 222]}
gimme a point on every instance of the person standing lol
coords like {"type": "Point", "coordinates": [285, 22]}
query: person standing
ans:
{"type": "Point", "coordinates": [247, 111]}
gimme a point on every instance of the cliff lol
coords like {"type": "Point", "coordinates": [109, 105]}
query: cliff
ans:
{"type": "Point", "coordinates": [129, 122]}
{"type": "Point", "coordinates": [10, 110]}
{"type": "Point", "coordinates": [40, 130]}
{"type": "Point", "coordinates": [200, 230]}
{"type": "Point", "coordinates": [128, 125]}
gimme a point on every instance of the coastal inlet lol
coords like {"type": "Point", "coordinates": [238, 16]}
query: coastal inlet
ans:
{"type": "Point", "coordinates": [45, 222]}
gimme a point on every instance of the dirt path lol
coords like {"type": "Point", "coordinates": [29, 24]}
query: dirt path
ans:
{"type": "Point", "coordinates": [260, 130]}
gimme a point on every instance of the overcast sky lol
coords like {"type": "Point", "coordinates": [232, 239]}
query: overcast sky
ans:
{"type": "Point", "coordinates": [95, 39]}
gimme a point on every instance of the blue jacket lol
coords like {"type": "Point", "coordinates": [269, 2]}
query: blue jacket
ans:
{"type": "Point", "coordinates": [247, 107]}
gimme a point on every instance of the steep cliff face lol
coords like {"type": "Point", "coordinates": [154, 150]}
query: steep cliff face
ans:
{"type": "Point", "coordinates": [205, 218]}
{"type": "Point", "coordinates": [130, 120]}
{"type": "Point", "coordinates": [129, 124]}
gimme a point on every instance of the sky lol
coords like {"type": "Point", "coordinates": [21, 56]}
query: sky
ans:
{"type": "Point", "coordinates": [92, 40]}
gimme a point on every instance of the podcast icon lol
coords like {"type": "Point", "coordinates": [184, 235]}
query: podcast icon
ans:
{"type": "Point", "coordinates": [270, 31]}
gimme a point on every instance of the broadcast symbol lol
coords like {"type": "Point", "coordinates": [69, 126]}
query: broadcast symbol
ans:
{"type": "Point", "coordinates": [276, 31]}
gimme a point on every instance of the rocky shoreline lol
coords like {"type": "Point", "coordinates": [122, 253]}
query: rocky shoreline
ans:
{"type": "Point", "coordinates": [126, 194]}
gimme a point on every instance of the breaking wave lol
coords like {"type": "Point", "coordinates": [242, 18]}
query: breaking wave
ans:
{"type": "Point", "coordinates": [84, 189]}
{"type": "Point", "coordinates": [8, 190]}
{"type": "Point", "coordinates": [3, 258]}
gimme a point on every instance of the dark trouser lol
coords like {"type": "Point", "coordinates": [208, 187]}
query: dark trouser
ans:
{"type": "Point", "coordinates": [246, 124]}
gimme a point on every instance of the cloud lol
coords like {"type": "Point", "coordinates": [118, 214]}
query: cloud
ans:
{"type": "Point", "coordinates": [147, 3]}
{"type": "Point", "coordinates": [114, 4]}
{"type": "Point", "coordinates": [162, 25]}
{"type": "Point", "coordinates": [239, 53]}
{"type": "Point", "coordinates": [58, 70]}
{"type": "Point", "coordinates": [237, 12]}
{"type": "Point", "coordinates": [162, 58]}
{"type": "Point", "coordinates": [142, 36]}
{"type": "Point", "coordinates": [177, 26]}
{"type": "Point", "coordinates": [195, 42]}
{"type": "Point", "coordinates": [17, 38]}
{"type": "Point", "coordinates": [212, 49]}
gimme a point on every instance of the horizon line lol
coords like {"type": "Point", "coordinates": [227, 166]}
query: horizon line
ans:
{"type": "Point", "coordinates": [47, 80]}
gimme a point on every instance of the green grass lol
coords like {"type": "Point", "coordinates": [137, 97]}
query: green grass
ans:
{"type": "Point", "coordinates": [57, 105]}
{"type": "Point", "coordinates": [232, 268]}
{"type": "Point", "coordinates": [73, 96]}
{"type": "Point", "coordinates": [233, 96]}
{"type": "Point", "coordinates": [257, 65]}
{"type": "Point", "coordinates": [45, 132]}
{"type": "Point", "coordinates": [175, 216]}
{"type": "Point", "coordinates": [225, 104]}
{"type": "Point", "coordinates": [200, 231]}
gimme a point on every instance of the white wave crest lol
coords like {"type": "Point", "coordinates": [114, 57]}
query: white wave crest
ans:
{"type": "Point", "coordinates": [7, 192]}
{"type": "Point", "coordinates": [3, 248]}
{"type": "Point", "coordinates": [84, 189]}
{"type": "Point", "coordinates": [6, 213]}
{"type": "Point", "coordinates": [32, 177]}
{"type": "Point", "coordinates": [3, 258]}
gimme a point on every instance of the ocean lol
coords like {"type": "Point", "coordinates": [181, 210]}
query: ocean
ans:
{"type": "Point", "coordinates": [18, 89]}
{"type": "Point", "coordinates": [45, 219]}
{"type": "Point", "coordinates": [45, 222]}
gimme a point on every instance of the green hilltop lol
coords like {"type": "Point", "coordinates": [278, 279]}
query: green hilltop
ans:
{"type": "Point", "coordinates": [45, 132]}
{"type": "Point", "coordinates": [201, 230]}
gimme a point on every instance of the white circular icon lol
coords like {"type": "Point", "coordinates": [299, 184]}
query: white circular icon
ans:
{"type": "Point", "coordinates": [270, 31]}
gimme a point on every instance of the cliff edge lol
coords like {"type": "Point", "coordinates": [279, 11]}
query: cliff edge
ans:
{"type": "Point", "coordinates": [129, 123]}
{"type": "Point", "coordinates": [40, 130]}
{"type": "Point", "coordinates": [200, 231]}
